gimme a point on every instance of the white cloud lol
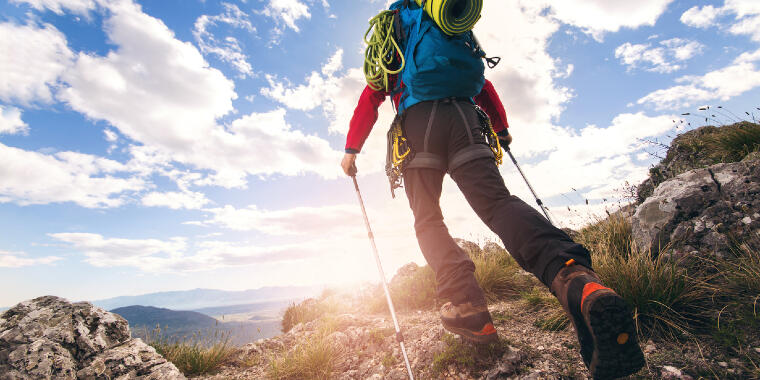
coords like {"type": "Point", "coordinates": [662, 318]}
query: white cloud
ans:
{"type": "Point", "coordinates": [526, 81]}
{"type": "Point", "coordinates": [299, 221]}
{"type": "Point", "coordinates": [150, 255]}
{"type": "Point", "coordinates": [723, 84]}
{"type": "Point", "coordinates": [596, 158]}
{"type": "Point", "coordinates": [160, 92]}
{"type": "Point", "coordinates": [319, 89]}
{"type": "Point", "coordinates": [31, 60]}
{"type": "Point", "coordinates": [597, 17]}
{"type": "Point", "coordinates": [177, 255]}
{"type": "Point", "coordinates": [176, 200]}
{"type": "Point", "coordinates": [58, 6]}
{"type": "Point", "coordinates": [701, 17]}
{"type": "Point", "coordinates": [20, 259]}
{"type": "Point", "coordinates": [660, 59]}
{"type": "Point", "coordinates": [682, 49]}
{"type": "Point", "coordinates": [89, 181]}
{"type": "Point", "coordinates": [746, 17]}
{"type": "Point", "coordinates": [10, 121]}
{"type": "Point", "coordinates": [336, 95]}
{"type": "Point", "coordinates": [228, 49]}
{"type": "Point", "coordinates": [286, 14]}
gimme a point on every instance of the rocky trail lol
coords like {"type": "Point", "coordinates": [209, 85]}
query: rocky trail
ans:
{"type": "Point", "coordinates": [364, 347]}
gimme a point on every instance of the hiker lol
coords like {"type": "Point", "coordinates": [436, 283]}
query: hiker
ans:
{"type": "Point", "coordinates": [440, 121]}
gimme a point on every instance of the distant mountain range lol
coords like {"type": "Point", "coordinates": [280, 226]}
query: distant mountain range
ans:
{"type": "Point", "coordinates": [209, 298]}
{"type": "Point", "coordinates": [180, 325]}
{"type": "Point", "coordinates": [2, 309]}
{"type": "Point", "coordinates": [149, 316]}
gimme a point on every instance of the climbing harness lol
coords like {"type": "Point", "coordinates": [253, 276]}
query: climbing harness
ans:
{"type": "Point", "coordinates": [399, 335]}
{"type": "Point", "coordinates": [398, 152]}
{"type": "Point", "coordinates": [538, 200]}
{"type": "Point", "coordinates": [453, 16]}
{"type": "Point", "coordinates": [400, 156]}
{"type": "Point", "coordinates": [380, 57]}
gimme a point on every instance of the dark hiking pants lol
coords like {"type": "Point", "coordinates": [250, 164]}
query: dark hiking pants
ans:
{"type": "Point", "coordinates": [536, 245]}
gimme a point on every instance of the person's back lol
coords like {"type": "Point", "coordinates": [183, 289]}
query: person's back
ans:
{"type": "Point", "coordinates": [446, 134]}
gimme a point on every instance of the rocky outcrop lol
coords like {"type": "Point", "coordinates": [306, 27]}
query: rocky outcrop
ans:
{"type": "Point", "coordinates": [701, 211]}
{"type": "Point", "coordinates": [686, 152]}
{"type": "Point", "coordinates": [50, 338]}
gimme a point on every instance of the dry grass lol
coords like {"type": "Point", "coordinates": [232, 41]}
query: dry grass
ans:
{"type": "Point", "coordinates": [497, 274]}
{"type": "Point", "coordinates": [307, 311]}
{"type": "Point", "coordinates": [549, 313]}
{"type": "Point", "coordinates": [732, 143]}
{"type": "Point", "coordinates": [665, 298]}
{"type": "Point", "coordinates": [313, 358]}
{"type": "Point", "coordinates": [200, 354]}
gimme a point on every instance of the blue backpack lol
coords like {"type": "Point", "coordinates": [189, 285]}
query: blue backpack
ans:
{"type": "Point", "coordinates": [437, 65]}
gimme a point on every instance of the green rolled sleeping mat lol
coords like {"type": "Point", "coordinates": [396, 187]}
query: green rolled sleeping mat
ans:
{"type": "Point", "coordinates": [453, 16]}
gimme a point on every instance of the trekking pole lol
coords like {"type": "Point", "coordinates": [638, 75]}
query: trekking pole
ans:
{"type": "Point", "coordinates": [538, 200]}
{"type": "Point", "coordinates": [399, 335]}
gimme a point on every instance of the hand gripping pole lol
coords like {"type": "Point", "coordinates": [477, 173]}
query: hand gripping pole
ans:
{"type": "Point", "coordinates": [399, 335]}
{"type": "Point", "coordinates": [538, 200]}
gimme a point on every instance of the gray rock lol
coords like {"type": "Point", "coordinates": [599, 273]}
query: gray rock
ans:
{"type": "Point", "coordinates": [50, 338]}
{"type": "Point", "coordinates": [673, 373]}
{"type": "Point", "coordinates": [508, 365]}
{"type": "Point", "coordinates": [699, 210]}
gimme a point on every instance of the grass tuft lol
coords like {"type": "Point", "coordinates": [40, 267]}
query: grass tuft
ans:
{"type": "Point", "coordinates": [314, 358]}
{"type": "Point", "coordinates": [611, 236]}
{"type": "Point", "coordinates": [306, 312]}
{"type": "Point", "coordinates": [551, 316]}
{"type": "Point", "coordinates": [414, 292]}
{"type": "Point", "coordinates": [666, 300]}
{"type": "Point", "coordinates": [498, 276]}
{"type": "Point", "coordinates": [200, 354]}
{"type": "Point", "coordinates": [734, 142]}
{"type": "Point", "coordinates": [469, 357]}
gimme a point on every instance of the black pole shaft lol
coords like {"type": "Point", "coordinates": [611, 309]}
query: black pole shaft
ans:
{"type": "Point", "coordinates": [538, 200]}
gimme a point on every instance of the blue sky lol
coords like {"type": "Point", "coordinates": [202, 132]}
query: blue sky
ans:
{"type": "Point", "coordinates": [164, 145]}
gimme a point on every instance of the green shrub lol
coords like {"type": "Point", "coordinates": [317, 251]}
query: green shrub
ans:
{"type": "Point", "coordinates": [742, 272]}
{"type": "Point", "coordinates": [200, 354]}
{"type": "Point", "coordinates": [306, 311]}
{"type": "Point", "coordinates": [415, 292]}
{"type": "Point", "coordinates": [609, 236]}
{"type": "Point", "coordinates": [314, 358]}
{"type": "Point", "coordinates": [732, 143]}
{"type": "Point", "coordinates": [497, 280]}
{"type": "Point", "coordinates": [664, 297]}
{"type": "Point", "coordinates": [737, 289]}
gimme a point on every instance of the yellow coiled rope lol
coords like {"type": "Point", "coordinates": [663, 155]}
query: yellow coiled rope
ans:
{"type": "Point", "coordinates": [453, 16]}
{"type": "Point", "coordinates": [381, 51]}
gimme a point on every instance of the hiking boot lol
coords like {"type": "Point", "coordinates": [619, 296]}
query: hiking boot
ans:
{"type": "Point", "coordinates": [470, 322]}
{"type": "Point", "coordinates": [602, 320]}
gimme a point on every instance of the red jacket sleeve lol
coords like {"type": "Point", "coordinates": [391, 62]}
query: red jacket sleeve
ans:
{"type": "Point", "coordinates": [365, 116]}
{"type": "Point", "coordinates": [489, 101]}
